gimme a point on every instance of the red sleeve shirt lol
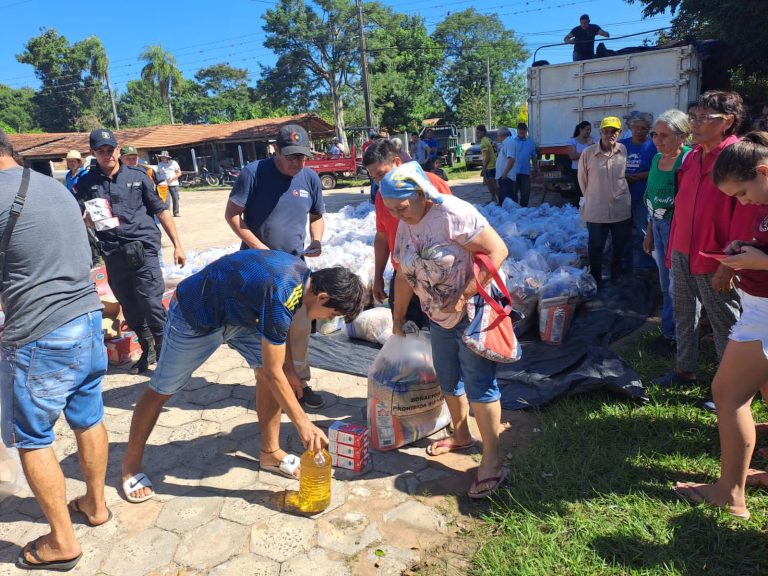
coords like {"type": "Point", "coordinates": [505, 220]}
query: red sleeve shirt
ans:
{"type": "Point", "coordinates": [755, 282]}
{"type": "Point", "coordinates": [388, 224]}
{"type": "Point", "coordinates": [705, 219]}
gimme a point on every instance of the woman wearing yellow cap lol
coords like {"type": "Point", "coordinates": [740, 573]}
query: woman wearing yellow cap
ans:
{"type": "Point", "coordinates": [607, 204]}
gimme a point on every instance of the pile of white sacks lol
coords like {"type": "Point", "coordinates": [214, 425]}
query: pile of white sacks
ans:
{"type": "Point", "coordinates": [547, 250]}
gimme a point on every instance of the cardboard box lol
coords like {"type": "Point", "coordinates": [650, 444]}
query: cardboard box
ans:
{"type": "Point", "coordinates": [349, 446]}
{"type": "Point", "coordinates": [99, 277]}
{"type": "Point", "coordinates": [345, 433]}
{"type": "Point", "coordinates": [354, 464]}
{"type": "Point", "coordinates": [124, 349]}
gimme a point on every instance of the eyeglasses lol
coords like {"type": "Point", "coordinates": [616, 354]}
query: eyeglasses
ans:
{"type": "Point", "coordinates": [295, 157]}
{"type": "Point", "coordinates": [702, 118]}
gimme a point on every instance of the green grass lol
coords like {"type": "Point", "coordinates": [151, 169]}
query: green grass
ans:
{"type": "Point", "coordinates": [592, 496]}
{"type": "Point", "coordinates": [459, 172]}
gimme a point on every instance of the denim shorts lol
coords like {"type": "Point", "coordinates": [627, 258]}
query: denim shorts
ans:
{"type": "Point", "coordinates": [60, 372]}
{"type": "Point", "coordinates": [459, 370]}
{"type": "Point", "coordinates": [185, 349]}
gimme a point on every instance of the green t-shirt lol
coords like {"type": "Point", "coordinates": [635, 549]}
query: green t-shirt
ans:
{"type": "Point", "coordinates": [660, 188]}
{"type": "Point", "coordinates": [486, 144]}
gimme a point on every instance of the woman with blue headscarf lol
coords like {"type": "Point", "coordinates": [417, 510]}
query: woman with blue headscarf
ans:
{"type": "Point", "coordinates": [436, 240]}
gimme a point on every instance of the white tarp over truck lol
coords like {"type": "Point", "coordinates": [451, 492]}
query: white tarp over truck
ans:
{"type": "Point", "coordinates": [562, 95]}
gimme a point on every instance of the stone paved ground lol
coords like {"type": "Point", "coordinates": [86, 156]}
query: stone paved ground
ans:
{"type": "Point", "coordinates": [215, 513]}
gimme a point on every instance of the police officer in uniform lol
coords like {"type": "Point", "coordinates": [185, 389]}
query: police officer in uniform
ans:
{"type": "Point", "coordinates": [119, 202]}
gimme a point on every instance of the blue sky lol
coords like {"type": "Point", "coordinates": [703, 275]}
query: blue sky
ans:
{"type": "Point", "coordinates": [201, 33]}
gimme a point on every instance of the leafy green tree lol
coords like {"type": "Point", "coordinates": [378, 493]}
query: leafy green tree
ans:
{"type": "Point", "coordinates": [317, 54]}
{"type": "Point", "coordinates": [140, 106]}
{"type": "Point", "coordinates": [473, 42]}
{"type": "Point", "coordinates": [161, 74]}
{"type": "Point", "coordinates": [741, 24]}
{"type": "Point", "coordinates": [403, 70]}
{"type": "Point", "coordinates": [70, 97]}
{"type": "Point", "coordinates": [17, 109]}
{"type": "Point", "coordinates": [98, 66]}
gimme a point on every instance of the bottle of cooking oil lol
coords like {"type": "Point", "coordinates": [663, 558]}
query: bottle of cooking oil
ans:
{"type": "Point", "coordinates": [315, 482]}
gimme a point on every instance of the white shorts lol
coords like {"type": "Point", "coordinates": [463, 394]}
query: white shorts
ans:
{"type": "Point", "coordinates": [753, 324]}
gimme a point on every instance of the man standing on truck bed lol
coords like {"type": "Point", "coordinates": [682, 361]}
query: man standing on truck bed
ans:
{"type": "Point", "coordinates": [583, 39]}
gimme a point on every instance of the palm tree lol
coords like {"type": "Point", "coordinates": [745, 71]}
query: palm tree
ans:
{"type": "Point", "coordinates": [160, 72]}
{"type": "Point", "coordinates": [99, 69]}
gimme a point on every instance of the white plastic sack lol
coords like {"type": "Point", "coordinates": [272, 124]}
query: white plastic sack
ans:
{"type": "Point", "coordinates": [405, 402]}
{"type": "Point", "coordinates": [11, 478]}
{"type": "Point", "coordinates": [374, 325]}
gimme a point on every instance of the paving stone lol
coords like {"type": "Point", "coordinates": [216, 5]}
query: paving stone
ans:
{"type": "Point", "coordinates": [223, 411]}
{"type": "Point", "coordinates": [316, 562]}
{"type": "Point", "coordinates": [228, 474]}
{"type": "Point", "coordinates": [211, 544]}
{"type": "Point", "coordinates": [283, 538]}
{"type": "Point", "coordinates": [14, 527]}
{"type": "Point", "coordinates": [243, 427]}
{"type": "Point", "coordinates": [394, 561]}
{"type": "Point", "coordinates": [418, 516]}
{"type": "Point", "coordinates": [209, 395]}
{"type": "Point", "coordinates": [207, 451]}
{"type": "Point", "coordinates": [142, 553]}
{"type": "Point", "coordinates": [235, 376]}
{"type": "Point", "coordinates": [176, 482]}
{"type": "Point", "coordinates": [257, 503]}
{"type": "Point", "coordinates": [346, 532]}
{"type": "Point", "coordinates": [188, 512]}
{"type": "Point", "coordinates": [245, 390]}
{"type": "Point", "coordinates": [128, 520]}
{"type": "Point", "coordinates": [176, 416]}
{"type": "Point", "coordinates": [247, 565]}
{"type": "Point", "coordinates": [397, 462]}
{"type": "Point", "coordinates": [194, 431]}
{"type": "Point", "coordinates": [95, 552]}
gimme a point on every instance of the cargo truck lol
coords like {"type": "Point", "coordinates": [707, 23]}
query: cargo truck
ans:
{"type": "Point", "coordinates": [562, 95]}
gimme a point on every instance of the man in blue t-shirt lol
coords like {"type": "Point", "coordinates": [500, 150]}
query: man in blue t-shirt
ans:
{"type": "Point", "coordinates": [268, 209]}
{"type": "Point", "coordinates": [247, 300]}
{"type": "Point", "coordinates": [640, 153]}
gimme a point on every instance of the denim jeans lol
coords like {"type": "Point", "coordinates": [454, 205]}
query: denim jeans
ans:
{"type": "Point", "coordinates": [598, 234]}
{"type": "Point", "coordinates": [661, 230]}
{"type": "Point", "coordinates": [59, 372]}
{"type": "Point", "coordinates": [635, 257]}
{"type": "Point", "coordinates": [459, 370]}
{"type": "Point", "coordinates": [186, 348]}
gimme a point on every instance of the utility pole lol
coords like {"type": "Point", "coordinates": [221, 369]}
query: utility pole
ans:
{"type": "Point", "coordinates": [488, 84]}
{"type": "Point", "coordinates": [364, 66]}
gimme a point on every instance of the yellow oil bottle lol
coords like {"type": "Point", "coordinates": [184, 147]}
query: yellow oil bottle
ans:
{"type": "Point", "coordinates": [315, 482]}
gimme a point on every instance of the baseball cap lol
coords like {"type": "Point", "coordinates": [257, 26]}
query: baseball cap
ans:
{"type": "Point", "coordinates": [293, 139]}
{"type": "Point", "coordinates": [610, 122]}
{"type": "Point", "coordinates": [74, 155]}
{"type": "Point", "coordinates": [128, 150]}
{"type": "Point", "coordinates": [164, 154]}
{"type": "Point", "coordinates": [102, 137]}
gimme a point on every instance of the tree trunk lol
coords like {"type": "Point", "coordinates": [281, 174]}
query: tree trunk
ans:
{"type": "Point", "coordinates": [112, 100]}
{"type": "Point", "coordinates": [338, 112]}
{"type": "Point", "coordinates": [170, 109]}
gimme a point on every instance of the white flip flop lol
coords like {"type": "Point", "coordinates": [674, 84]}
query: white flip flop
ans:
{"type": "Point", "coordinates": [136, 482]}
{"type": "Point", "coordinates": [287, 466]}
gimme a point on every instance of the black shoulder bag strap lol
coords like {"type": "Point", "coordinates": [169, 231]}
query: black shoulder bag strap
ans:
{"type": "Point", "coordinates": [16, 208]}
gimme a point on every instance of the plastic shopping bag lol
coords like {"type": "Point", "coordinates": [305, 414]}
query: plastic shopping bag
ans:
{"type": "Point", "coordinates": [405, 402]}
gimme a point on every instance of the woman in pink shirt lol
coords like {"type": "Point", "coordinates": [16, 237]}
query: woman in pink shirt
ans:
{"type": "Point", "coordinates": [705, 220]}
{"type": "Point", "coordinates": [741, 172]}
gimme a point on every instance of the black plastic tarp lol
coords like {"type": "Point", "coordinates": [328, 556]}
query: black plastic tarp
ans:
{"type": "Point", "coordinates": [582, 363]}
